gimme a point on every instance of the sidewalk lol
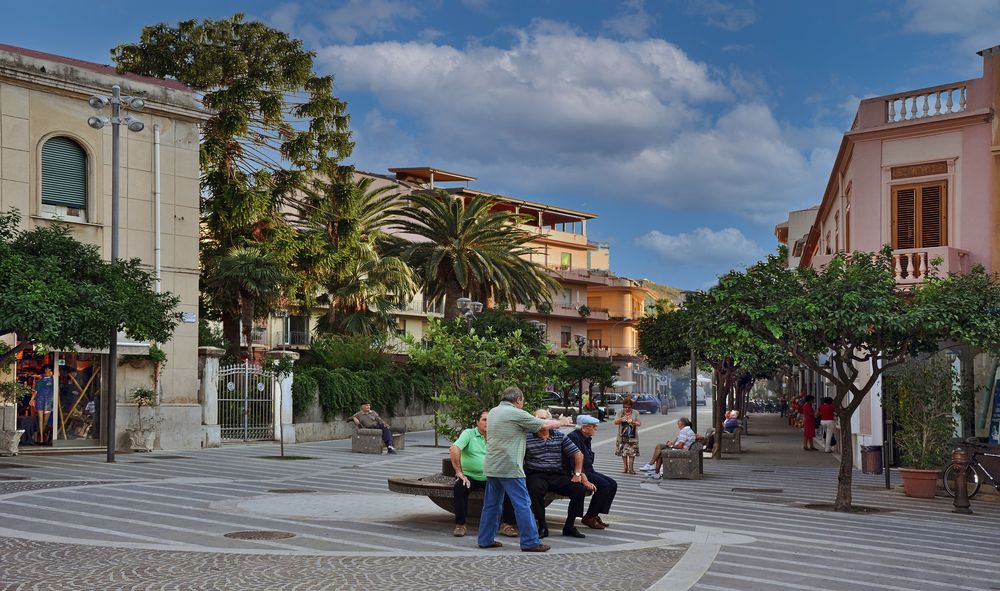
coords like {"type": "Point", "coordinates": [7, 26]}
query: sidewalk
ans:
{"type": "Point", "coordinates": [159, 521]}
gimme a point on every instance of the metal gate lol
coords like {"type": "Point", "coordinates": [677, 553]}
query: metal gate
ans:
{"type": "Point", "coordinates": [246, 403]}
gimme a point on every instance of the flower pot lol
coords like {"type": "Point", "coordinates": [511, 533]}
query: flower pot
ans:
{"type": "Point", "coordinates": [9, 441]}
{"type": "Point", "coordinates": [921, 484]}
{"type": "Point", "coordinates": [141, 439]}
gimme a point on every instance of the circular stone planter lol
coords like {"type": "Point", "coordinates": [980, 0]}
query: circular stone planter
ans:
{"type": "Point", "coordinates": [439, 488]}
{"type": "Point", "coordinates": [921, 484]}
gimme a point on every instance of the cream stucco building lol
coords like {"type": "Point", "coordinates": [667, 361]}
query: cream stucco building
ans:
{"type": "Point", "coordinates": [53, 166]}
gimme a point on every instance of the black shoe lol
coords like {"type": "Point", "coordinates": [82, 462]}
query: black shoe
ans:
{"type": "Point", "coordinates": [392, 450]}
{"type": "Point", "coordinates": [543, 532]}
{"type": "Point", "coordinates": [572, 532]}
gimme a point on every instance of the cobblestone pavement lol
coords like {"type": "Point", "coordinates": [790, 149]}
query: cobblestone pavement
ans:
{"type": "Point", "coordinates": [158, 521]}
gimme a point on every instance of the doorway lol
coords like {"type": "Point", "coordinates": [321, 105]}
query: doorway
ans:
{"type": "Point", "coordinates": [65, 406]}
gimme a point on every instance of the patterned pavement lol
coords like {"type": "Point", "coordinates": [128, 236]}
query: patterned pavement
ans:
{"type": "Point", "coordinates": [158, 521]}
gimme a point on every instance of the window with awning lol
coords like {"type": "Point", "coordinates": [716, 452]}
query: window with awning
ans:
{"type": "Point", "coordinates": [64, 174]}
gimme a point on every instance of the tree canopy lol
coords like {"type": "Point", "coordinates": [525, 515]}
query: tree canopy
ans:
{"type": "Point", "coordinates": [59, 293]}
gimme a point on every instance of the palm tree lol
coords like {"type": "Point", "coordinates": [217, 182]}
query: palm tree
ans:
{"type": "Point", "coordinates": [467, 249]}
{"type": "Point", "coordinates": [347, 219]}
{"type": "Point", "coordinates": [246, 282]}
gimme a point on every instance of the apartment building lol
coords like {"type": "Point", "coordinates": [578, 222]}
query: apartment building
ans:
{"type": "Point", "coordinates": [918, 170]}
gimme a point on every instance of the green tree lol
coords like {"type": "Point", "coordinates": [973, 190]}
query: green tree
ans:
{"type": "Point", "coordinates": [473, 369]}
{"type": "Point", "coordinates": [59, 293]}
{"type": "Point", "coordinates": [348, 220]}
{"type": "Point", "coordinates": [255, 280]}
{"type": "Point", "coordinates": [275, 123]}
{"type": "Point", "coordinates": [853, 313]}
{"type": "Point", "coordinates": [465, 249]}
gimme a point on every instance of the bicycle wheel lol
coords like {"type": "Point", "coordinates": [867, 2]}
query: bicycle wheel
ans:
{"type": "Point", "coordinates": [971, 477]}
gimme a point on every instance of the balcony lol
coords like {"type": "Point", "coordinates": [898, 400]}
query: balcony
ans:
{"type": "Point", "coordinates": [562, 311]}
{"type": "Point", "coordinates": [911, 266]}
{"type": "Point", "coordinates": [297, 338]}
{"type": "Point", "coordinates": [912, 106]}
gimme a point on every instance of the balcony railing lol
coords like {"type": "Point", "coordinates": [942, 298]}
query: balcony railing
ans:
{"type": "Point", "coordinates": [926, 102]}
{"type": "Point", "coordinates": [295, 337]}
{"type": "Point", "coordinates": [913, 265]}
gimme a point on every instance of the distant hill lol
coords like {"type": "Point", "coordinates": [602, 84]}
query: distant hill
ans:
{"type": "Point", "coordinates": [663, 292]}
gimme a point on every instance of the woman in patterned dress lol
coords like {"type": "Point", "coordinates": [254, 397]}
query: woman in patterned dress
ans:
{"type": "Point", "coordinates": [628, 436]}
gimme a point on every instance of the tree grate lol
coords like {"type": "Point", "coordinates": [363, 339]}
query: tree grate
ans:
{"type": "Point", "coordinates": [290, 491]}
{"type": "Point", "coordinates": [759, 490]}
{"type": "Point", "coordinates": [260, 534]}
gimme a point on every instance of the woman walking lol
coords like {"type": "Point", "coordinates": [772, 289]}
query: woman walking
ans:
{"type": "Point", "coordinates": [827, 414]}
{"type": "Point", "coordinates": [628, 435]}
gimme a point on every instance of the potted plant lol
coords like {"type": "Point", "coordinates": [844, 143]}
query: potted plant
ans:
{"type": "Point", "coordinates": [10, 393]}
{"type": "Point", "coordinates": [921, 395]}
{"type": "Point", "coordinates": [143, 436]}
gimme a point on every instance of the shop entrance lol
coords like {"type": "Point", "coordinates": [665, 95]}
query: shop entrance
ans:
{"type": "Point", "coordinates": [65, 405]}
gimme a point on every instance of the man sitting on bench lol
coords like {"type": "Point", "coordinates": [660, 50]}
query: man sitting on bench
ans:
{"type": "Point", "coordinates": [369, 419]}
{"type": "Point", "coordinates": [730, 425]}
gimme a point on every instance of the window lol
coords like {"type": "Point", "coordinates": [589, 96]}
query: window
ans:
{"type": "Point", "coordinates": [565, 336]}
{"type": "Point", "coordinates": [64, 178]}
{"type": "Point", "coordinates": [400, 326]}
{"type": "Point", "coordinates": [920, 215]}
{"type": "Point", "coordinates": [565, 260]}
{"type": "Point", "coordinates": [567, 298]}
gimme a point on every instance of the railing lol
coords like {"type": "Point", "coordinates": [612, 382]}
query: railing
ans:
{"type": "Point", "coordinates": [296, 337]}
{"type": "Point", "coordinates": [926, 102]}
{"type": "Point", "coordinates": [913, 265]}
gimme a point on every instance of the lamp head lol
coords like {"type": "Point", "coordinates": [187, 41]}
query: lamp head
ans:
{"type": "Point", "coordinates": [580, 340]}
{"type": "Point", "coordinates": [476, 307]}
{"type": "Point", "coordinates": [98, 102]}
{"type": "Point", "coordinates": [97, 122]}
{"type": "Point", "coordinates": [463, 303]}
{"type": "Point", "coordinates": [134, 124]}
{"type": "Point", "coordinates": [135, 103]}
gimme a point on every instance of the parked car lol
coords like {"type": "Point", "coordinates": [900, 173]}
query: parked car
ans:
{"type": "Point", "coordinates": [646, 403]}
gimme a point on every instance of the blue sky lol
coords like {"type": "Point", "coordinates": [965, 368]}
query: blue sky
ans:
{"type": "Point", "coordinates": [689, 127]}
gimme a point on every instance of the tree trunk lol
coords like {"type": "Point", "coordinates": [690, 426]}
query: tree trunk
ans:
{"type": "Point", "coordinates": [846, 474]}
{"type": "Point", "coordinates": [452, 293]}
{"type": "Point", "coordinates": [246, 320]}
{"type": "Point", "coordinates": [967, 394]}
{"type": "Point", "coordinates": [231, 331]}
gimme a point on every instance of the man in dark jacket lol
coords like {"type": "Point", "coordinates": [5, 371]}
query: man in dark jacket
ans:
{"type": "Point", "coordinates": [604, 495]}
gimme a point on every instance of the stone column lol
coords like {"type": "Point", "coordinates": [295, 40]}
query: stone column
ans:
{"type": "Point", "coordinates": [284, 428]}
{"type": "Point", "coordinates": [208, 395]}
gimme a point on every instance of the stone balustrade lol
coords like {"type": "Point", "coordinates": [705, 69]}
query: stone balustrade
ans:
{"type": "Point", "coordinates": [926, 102]}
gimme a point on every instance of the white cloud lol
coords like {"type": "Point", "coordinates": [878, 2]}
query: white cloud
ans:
{"type": "Point", "coordinates": [702, 246]}
{"type": "Point", "coordinates": [365, 17]}
{"type": "Point", "coordinates": [634, 22]}
{"type": "Point", "coordinates": [561, 111]}
{"type": "Point", "coordinates": [974, 22]}
{"type": "Point", "coordinates": [283, 17]}
{"type": "Point", "coordinates": [731, 15]}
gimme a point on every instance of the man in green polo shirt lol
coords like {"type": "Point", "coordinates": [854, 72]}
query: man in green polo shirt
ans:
{"type": "Point", "coordinates": [467, 456]}
{"type": "Point", "coordinates": [505, 472]}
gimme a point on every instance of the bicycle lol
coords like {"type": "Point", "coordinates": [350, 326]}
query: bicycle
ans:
{"type": "Point", "coordinates": [979, 458]}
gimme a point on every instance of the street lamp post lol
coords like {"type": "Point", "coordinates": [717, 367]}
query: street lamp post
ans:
{"type": "Point", "coordinates": [99, 102]}
{"type": "Point", "coordinates": [469, 309]}
{"type": "Point", "coordinates": [581, 340]}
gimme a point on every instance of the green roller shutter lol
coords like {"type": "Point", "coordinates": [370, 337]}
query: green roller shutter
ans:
{"type": "Point", "coordinates": [64, 173]}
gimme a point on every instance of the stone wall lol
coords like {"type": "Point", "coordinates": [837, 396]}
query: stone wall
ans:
{"type": "Point", "coordinates": [310, 426]}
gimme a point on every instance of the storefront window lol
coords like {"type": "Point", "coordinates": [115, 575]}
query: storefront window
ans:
{"type": "Point", "coordinates": [64, 407]}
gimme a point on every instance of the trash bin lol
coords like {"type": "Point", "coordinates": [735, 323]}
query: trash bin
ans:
{"type": "Point", "coordinates": [871, 459]}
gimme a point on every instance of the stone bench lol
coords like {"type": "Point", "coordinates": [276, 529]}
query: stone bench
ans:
{"type": "Point", "coordinates": [732, 442]}
{"type": "Point", "coordinates": [683, 463]}
{"type": "Point", "coordinates": [439, 488]}
{"type": "Point", "coordinates": [369, 441]}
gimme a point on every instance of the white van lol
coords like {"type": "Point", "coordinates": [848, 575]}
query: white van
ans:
{"type": "Point", "coordinates": [700, 397]}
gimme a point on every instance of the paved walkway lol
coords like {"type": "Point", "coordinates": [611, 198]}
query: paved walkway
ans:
{"type": "Point", "coordinates": [159, 521]}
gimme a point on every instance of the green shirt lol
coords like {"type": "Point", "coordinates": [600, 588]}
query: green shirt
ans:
{"type": "Point", "coordinates": [473, 446]}
{"type": "Point", "coordinates": [505, 440]}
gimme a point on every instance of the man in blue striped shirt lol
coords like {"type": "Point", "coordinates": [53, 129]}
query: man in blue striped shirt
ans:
{"type": "Point", "coordinates": [552, 462]}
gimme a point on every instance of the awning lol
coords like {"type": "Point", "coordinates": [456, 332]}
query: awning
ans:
{"type": "Point", "coordinates": [621, 383]}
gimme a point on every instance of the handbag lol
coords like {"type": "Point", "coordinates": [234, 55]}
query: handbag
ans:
{"type": "Point", "coordinates": [629, 431]}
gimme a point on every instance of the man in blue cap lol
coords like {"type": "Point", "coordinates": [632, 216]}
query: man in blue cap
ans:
{"type": "Point", "coordinates": [600, 501]}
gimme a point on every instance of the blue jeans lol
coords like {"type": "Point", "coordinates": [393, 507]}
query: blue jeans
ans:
{"type": "Point", "coordinates": [496, 489]}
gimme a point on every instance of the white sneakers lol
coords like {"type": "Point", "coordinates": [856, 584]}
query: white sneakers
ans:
{"type": "Point", "coordinates": [648, 468]}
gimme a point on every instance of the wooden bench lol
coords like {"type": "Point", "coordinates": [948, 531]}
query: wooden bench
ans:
{"type": "Point", "coordinates": [369, 441]}
{"type": "Point", "coordinates": [683, 463]}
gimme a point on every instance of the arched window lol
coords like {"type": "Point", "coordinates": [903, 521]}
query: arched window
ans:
{"type": "Point", "coordinates": [64, 178]}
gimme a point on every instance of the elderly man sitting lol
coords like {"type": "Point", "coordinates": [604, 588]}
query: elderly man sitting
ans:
{"type": "Point", "coordinates": [367, 418]}
{"type": "Point", "coordinates": [730, 425]}
{"type": "Point", "coordinates": [606, 487]}
{"type": "Point", "coordinates": [685, 437]}
{"type": "Point", "coordinates": [553, 463]}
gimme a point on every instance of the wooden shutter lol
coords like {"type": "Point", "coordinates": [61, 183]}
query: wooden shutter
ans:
{"type": "Point", "coordinates": [933, 216]}
{"type": "Point", "coordinates": [64, 173]}
{"type": "Point", "coordinates": [904, 218]}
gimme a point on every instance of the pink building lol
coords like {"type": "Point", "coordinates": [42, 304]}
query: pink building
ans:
{"type": "Point", "coordinates": [918, 170]}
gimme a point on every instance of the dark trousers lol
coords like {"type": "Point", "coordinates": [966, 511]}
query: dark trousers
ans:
{"type": "Point", "coordinates": [540, 483]}
{"type": "Point", "coordinates": [461, 496]}
{"type": "Point", "coordinates": [386, 435]}
{"type": "Point", "coordinates": [600, 501]}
